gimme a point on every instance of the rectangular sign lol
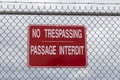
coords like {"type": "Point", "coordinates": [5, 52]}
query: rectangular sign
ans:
{"type": "Point", "coordinates": [50, 46]}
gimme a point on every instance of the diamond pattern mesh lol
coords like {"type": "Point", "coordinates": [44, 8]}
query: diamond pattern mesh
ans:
{"type": "Point", "coordinates": [103, 44]}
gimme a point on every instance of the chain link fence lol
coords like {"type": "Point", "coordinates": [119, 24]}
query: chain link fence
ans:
{"type": "Point", "coordinates": [102, 22]}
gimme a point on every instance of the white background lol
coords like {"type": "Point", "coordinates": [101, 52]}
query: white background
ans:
{"type": "Point", "coordinates": [72, 1]}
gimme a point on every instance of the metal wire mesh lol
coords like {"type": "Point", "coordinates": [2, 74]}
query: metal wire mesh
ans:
{"type": "Point", "coordinates": [103, 40]}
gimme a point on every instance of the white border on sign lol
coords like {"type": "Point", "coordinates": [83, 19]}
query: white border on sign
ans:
{"type": "Point", "coordinates": [56, 65]}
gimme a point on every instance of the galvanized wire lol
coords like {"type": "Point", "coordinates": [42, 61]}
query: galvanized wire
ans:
{"type": "Point", "coordinates": [103, 40]}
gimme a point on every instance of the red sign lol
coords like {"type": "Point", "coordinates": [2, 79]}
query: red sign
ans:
{"type": "Point", "coordinates": [57, 46]}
